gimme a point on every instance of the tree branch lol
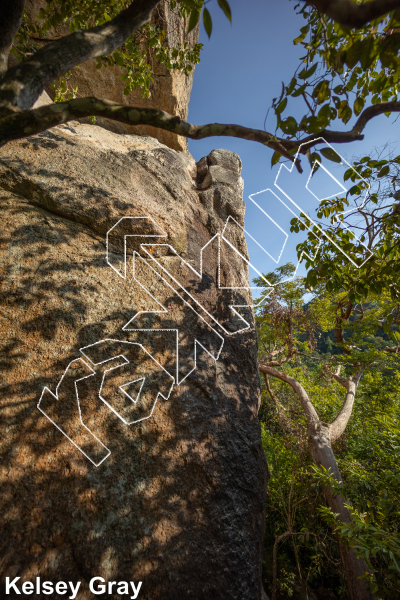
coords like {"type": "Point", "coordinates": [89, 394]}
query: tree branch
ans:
{"type": "Point", "coordinates": [355, 134]}
{"type": "Point", "coordinates": [338, 426]}
{"type": "Point", "coordinates": [23, 84]}
{"type": "Point", "coordinates": [278, 539]}
{"type": "Point", "coordinates": [350, 14]}
{"type": "Point", "coordinates": [271, 355]}
{"type": "Point", "coordinates": [308, 407]}
{"type": "Point", "coordinates": [21, 124]}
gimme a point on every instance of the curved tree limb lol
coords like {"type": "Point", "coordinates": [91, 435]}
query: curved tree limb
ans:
{"type": "Point", "coordinates": [338, 426]}
{"type": "Point", "coordinates": [355, 134]}
{"type": "Point", "coordinates": [23, 84]}
{"type": "Point", "coordinates": [28, 122]}
{"type": "Point", "coordinates": [395, 349]}
{"type": "Point", "coordinates": [21, 124]}
{"type": "Point", "coordinates": [308, 407]}
{"type": "Point", "coordinates": [351, 14]}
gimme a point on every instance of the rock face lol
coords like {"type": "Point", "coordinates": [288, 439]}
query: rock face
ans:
{"type": "Point", "coordinates": [177, 500]}
{"type": "Point", "coordinates": [170, 90]}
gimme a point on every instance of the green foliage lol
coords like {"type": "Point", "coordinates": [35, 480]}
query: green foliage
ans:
{"type": "Point", "coordinates": [368, 456]}
{"type": "Point", "coordinates": [293, 496]}
{"type": "Point", "coordinates": [372, 482]}
{"type": "Point", "coordinates": [341, 71]}
{"type": "Point", "coordinates": [368, 452]}
{"type": "Point", "coordinates": [379, 226]}
{"type": "Point", "coordinates": [132, 57]}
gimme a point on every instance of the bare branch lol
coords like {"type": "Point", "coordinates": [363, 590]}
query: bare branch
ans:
{"type": "Point", "coordinates": [23, 84]}
{"type": "Point", "coordinates": [395, 349]}
{"type": "Point", "coordinates": [308, 407]}
{"type": "Point", "coordinates": [270, 355]}
{"type": "Point", "coordinates": [284, 421]}
{"type": "Point", "coordinates": [278, 539]}
{"type": "Point", "coordinates": [336, 376]}
{"type": "Point", "coordinates": [343, 137]}
{"type": "Point", "coordinates": [24, 123]}
{"type": "Point", "coordinates": [271, 393]}
{"type": "Point", "coordinates": [21, 124]}
{"type": "Point", "coordinates": [351, 14]}
{"type": "Point", "coordinates": [338, 426]}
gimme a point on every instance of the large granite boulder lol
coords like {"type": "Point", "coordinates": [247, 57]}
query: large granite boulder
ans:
{"type": "Point", "coordinates": [119, 473]}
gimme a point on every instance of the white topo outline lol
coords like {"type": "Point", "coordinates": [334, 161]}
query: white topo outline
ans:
{"type": "Point", "coordinates": [198, 308]}
{"type": "Point", "coordinates": [55, 396]}
{"type": "Point", "coordinates": [343, 160]}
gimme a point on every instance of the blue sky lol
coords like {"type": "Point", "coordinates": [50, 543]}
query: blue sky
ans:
{"type": "Point", "coordinates": [241, 70]}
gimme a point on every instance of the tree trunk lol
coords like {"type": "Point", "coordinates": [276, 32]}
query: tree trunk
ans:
{"type": "Point", "coordinates": [10, 22]}
{"type": "Point", "coordinates": [353, 567]}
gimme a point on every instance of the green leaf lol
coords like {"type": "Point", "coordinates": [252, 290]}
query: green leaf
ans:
{"type": "Point", "coordinates": [299, 91]}
{"type": "Point", "coordinates": [384, 171]}
{"type": "Point", "coordinates": [365, 51]}
{"type": "Point", "coordinates": [330, 154]}
{"type": "Point", "coordinates": [322, 91]}
{"type": "Point", "coordinates": [118, 59]}
{"type": "Point", "coordinates": [345, 111]}
{"type": "Point", "coordinates": [289, 126]}
{"type": "Point", "coordinates": [324, 113]}
{"type": "Point", "coordinates": [358, 105]}
{"type": "Point", "coordinates": [226, 8]}
{"type": "Point", "coordinates": [307, 72]}
{"type": "Point", "coordinates": [194, 19]}
{"type": "Point", "coordinates": [281, 106]}
{"type": "Point", "coordinates": [348, 174]}
{"type": "Point", "coordinates": [207, 22]}
{"type": "Point", "coordinates": [275, 158]}
{"type": "Point", "coordinates": [315, 160]}
{"type": "Point", "coordinates": [389, 50]}
{"type": "Point", "coordinates": [369, 51]}
{"type": "Point", "coordinates": [291, 87]}
{"type": "Point", "coordinates": [304, 31]}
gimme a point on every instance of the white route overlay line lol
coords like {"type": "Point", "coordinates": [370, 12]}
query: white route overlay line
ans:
{"type": "Point", "coordinates": [163, 234]}
{"type": "Point", "coordinates": [121, 387]}
{"type": "Point", "coordinates": [324, 233]}
{"type": "Point", "coordinates": [165, 311]}
{"type": "Point", "coordinates": [252, 238]}
{"type": "Point", "coordinates": [46, 389]}
{"type": "Point", "coordinates": [127, 362]}
{"type": "Point", "coordinates": [199, 274]}
{"type": "Point", "coordinates": [304, 253]}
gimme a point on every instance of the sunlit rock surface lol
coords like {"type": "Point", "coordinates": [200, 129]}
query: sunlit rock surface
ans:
{"type": "Point", "coordinates": [179, 503]}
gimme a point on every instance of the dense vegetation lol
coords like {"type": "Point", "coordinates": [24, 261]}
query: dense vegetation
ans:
{"type": "Point", "coordinates": [368, 456]}
{"type": "Point", "coordinates": [352, 320]}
